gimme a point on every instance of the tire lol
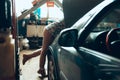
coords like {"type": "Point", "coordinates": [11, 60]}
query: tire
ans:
{"type": "Point", "coordinates": [51, 68]}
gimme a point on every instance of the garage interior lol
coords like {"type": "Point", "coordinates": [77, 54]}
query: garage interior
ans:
{"type": "Point", "coordinates": [31, 35]}
{"type": "Point", "coordinates": [28, 34]}
{"type": "Point", "coordinates": [30, 30]}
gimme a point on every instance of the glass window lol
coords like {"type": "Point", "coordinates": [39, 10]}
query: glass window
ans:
{"type": "Point", "coordinates": [111, 20]}
{"type": "Point", "coordinates": [97, 37]}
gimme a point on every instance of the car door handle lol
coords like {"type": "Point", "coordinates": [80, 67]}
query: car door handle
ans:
{"type": "Point", "coordinates": [108, 66]}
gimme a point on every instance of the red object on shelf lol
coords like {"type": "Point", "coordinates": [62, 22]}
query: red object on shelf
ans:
{"type": "Point", "coordinates": [50, 4]}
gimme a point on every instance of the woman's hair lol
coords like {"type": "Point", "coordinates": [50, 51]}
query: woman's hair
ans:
{"type": "Point", "coordinates": [75, 9]}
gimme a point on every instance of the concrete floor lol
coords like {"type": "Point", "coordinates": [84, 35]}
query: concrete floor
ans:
{"type": "Point", "coordinates": [28, 71]}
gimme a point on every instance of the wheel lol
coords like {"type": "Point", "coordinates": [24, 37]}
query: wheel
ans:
{"type": "Point", "coordinates": [51, 68]}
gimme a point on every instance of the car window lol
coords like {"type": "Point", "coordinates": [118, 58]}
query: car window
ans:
{"type": "Point", "coordinates": [97, 37]}
{"type": "Point", "coordinates": [111, 20]}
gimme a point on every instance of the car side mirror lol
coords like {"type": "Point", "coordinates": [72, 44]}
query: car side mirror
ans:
{"type": "Point", "coordinates": [68, 37]}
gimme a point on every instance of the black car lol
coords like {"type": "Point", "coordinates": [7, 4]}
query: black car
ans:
{"type": "Point", "coordinates": [90, 49]}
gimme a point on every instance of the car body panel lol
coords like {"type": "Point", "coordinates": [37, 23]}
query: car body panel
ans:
{"type": "Point", "coordinates": [71, 58]}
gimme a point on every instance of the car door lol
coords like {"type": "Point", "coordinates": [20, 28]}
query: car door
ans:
{"type": "Point", "coordinates": [71, 63]}
{"type": "Point", "coordinates": [105, 64]}
{"type": "Point", "coordinates": [83, 63]}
